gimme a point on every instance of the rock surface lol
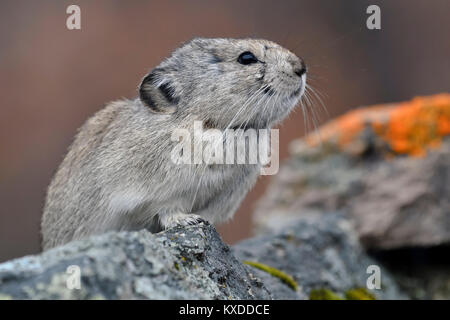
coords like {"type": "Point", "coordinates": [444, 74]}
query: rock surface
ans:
{"type": "Point", "coordinates": [318, 252]}
{"type": "Point", "coordinates": [397, 203]}
{"type": "Point", "coordinates": [193, 263]}
{"type": "Point", "coordinates": [385, 167]}
{"type": "Point", "coordinates": [182, 263]}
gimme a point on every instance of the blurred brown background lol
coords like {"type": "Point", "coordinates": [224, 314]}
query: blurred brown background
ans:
{"type": "Point", "coordinates": [52, 79]}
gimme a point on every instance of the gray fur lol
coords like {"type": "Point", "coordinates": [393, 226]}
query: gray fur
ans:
{"type": "Point", "coordinates": [118, 175]}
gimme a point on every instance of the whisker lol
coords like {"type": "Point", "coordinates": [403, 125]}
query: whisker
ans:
{"type": "Point", "coordinates": [304, 116]}
{"type": "Point", "coordinates": [317, 95]}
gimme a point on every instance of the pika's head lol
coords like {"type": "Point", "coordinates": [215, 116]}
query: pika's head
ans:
{"type": "Point", "coordinates": [227, 83]}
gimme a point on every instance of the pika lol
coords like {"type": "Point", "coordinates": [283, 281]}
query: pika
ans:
{"type": "Point", "coordinates": [117, 173]}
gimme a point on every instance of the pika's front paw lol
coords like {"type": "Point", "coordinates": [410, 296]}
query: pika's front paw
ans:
{"type": "Point", "coordinates": [180, 219]}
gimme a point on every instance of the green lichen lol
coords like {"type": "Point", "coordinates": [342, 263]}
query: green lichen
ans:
{"type": "Point", "coordinates": [359, 294]}
{"type": "Point", "coordinates": [177, 266]}
{"type": "Point", "coordinates": [323, 294]}
{"type": "Point", "coordinates": [287, 279]}
{"type": "Point", "coordinates": [351, 294]}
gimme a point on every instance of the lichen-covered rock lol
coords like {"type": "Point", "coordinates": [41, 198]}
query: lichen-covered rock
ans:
{"type": "Point", "coordinates": [193, 263]}
{"type": "Point", "coordinates": [319, 252]}
{"type": "Point", "coordinates": [181, 263]}
{"type": "Point", "coordinates": [386, 167]}
{"type": "Point", "coordinates": [408, 128]}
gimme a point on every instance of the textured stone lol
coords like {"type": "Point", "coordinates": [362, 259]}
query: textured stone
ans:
{"type": "Point", "coordinates": [182, 263]}
{"type": "Point", "coordinates": [319, 252]}
{"type": "Point", "coordinates": [193, 263]}
{"type": "Point", "coordinates": [397, 203]}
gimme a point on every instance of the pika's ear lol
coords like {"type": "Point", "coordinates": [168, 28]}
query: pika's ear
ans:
{"type": "Point", "coordinates": [158, 93]}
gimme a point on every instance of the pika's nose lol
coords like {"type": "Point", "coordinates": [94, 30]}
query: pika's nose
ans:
{"type": "Point", "coordinates": [300, 69]}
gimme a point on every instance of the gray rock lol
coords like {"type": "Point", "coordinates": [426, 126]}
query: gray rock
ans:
{"type": "Point", "coordinates": [193, 263]}
{"type": "Point", "coordinates": [398, 203]}
{"type": "Point", "coordinates": [318, 252]}
{"type": "Point", "coordinates": [182, 263]}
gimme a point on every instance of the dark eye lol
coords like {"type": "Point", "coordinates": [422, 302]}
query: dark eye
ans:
{"type": "Point", "coordinates": [246, 58]}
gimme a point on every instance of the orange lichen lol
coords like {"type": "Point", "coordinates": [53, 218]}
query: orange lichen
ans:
{"type": "Point", "coordinates": [409, 128]}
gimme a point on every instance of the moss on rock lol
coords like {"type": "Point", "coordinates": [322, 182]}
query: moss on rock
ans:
{"type": "Point", "coordinates": [323, 294]}
{"type": "Point", "coordinates": [351, 294]}
{"type": "Point", "coordinates": [359, 294]}
{"type": "Point", "coordinates": [287, 279]}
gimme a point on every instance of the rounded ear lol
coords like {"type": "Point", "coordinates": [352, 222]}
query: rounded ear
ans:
{"type": "Point", "coordinates": [158, 93]}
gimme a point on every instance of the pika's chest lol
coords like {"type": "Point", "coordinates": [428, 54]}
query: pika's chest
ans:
{"type": "Point", "coordinates": [214, 179]}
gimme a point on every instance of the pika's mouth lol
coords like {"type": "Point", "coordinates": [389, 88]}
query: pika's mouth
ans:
{"type": "Point", "coordinates": [269, 91]}
{"type": "Point", "coordinates": [297, 92]}
{"type": "Point", "coordinates": [246, 127]}
{"type": "Point", "coordinates": [286, 98]}
{"type": "Point", "coordinates": [209, 124]}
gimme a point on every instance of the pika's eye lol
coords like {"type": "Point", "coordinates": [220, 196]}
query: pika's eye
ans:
{"type": "Point", "coordinates": [246, 58]}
